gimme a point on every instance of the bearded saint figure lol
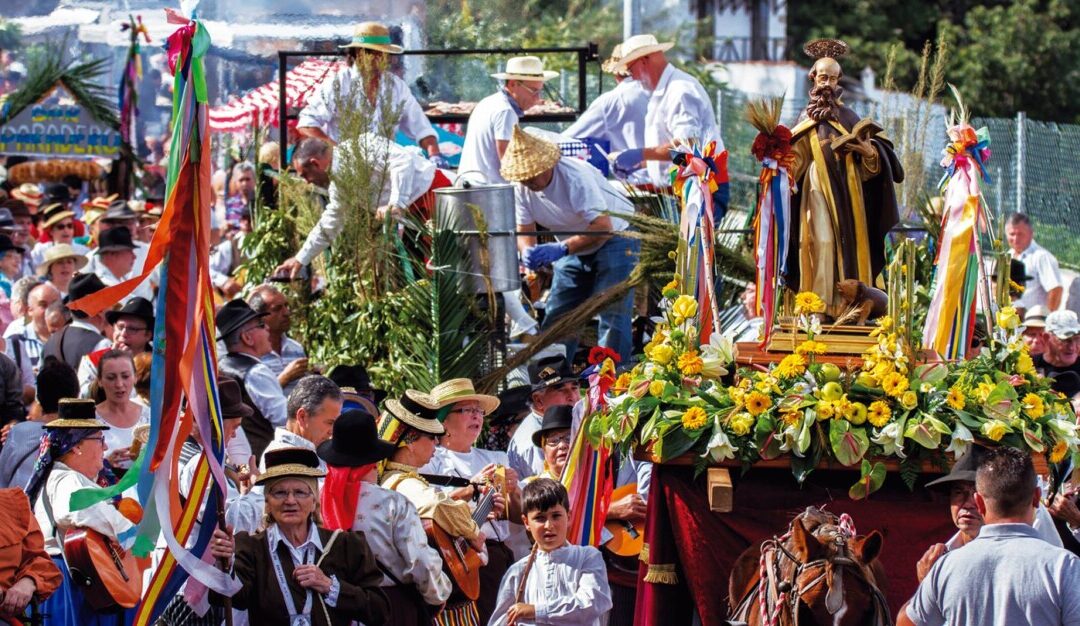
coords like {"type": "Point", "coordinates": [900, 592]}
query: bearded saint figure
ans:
{"type": "Point", "coordinates": [845, 199]}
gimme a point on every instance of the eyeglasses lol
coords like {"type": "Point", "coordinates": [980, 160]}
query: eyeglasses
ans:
{"type": "Point", "coordinates": [100, 438]}
{"type": "Point", "coordinates": [430, 436]}
{"type": "Point", "coordinates": [124, 328]}
{"type": "Point", "coordinates": [472, 410]}
{"type": "Point", "coordinates": [298, 494]}
{"type": "Point", "coordinates": [531, 90]}
{"type": "Point", "coordinates": [556, 441]}
{"type": "Point", "coordinates": [64, 226]}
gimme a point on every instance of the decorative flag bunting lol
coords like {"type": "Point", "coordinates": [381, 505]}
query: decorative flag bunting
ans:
{"type": "Point", "coordinates": [772, 220]}
{"type": "Point", "coordinates": [184, 358]}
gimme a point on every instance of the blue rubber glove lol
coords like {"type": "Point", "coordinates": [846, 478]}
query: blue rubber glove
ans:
{"type": "Point", "coordinates": [440, 161]}
{"type": "Point", "coordinates": [544, 254]}
{"type": "Point", "coordinates": [627, 162]}
{"type": "Point", "coordinates": [720, 199]}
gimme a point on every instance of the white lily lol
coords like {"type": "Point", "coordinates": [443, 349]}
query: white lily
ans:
{"type": "Point", "coordinates": [719, 447]}
{"type": "Point", "coordinates": [961, 440]}
{"type": "Point", "coordinates": [1066, 430]}
{"type": "Point", "coordinates": [891, 439]}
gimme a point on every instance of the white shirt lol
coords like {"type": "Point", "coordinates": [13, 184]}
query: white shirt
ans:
{"type": "Point", "coordinates": [265, 393]}
{"type": "Point", "coordinates": [117, 438]}
{"type": "Point", "coordinates": [525, 457]}
{"type": "Point", "coordinates": [466, 465]}
{"type": "Point", "coordinates": [576, 196]}
{"type": "Point", "coordinates": [102, 517]}
{"type": "Point", "coordinates": [30, 346]}
{"type": "Point", "coordinates": [568, 587]}
{"type": "Point", "coordinates": [679, 108]}
{"type": "Point", "coordinates": [408, 177]}
{"type": "Point", "coordinates": [396, 537]}
{"type": "Point", "coordinates": [285, 438]}
{"type": "Point", "coordinates": [291, 350]}
{"type": "Point", "coordinates": [1044, 271]}
{"type": "Point", "coordinates": [321, 110]}
{"type": "Point", "coordinates": [617, 116]}
{"type": "Point", "coordinates": [143, 290]}
{"type": "Point", "coordinates": [492, 120]}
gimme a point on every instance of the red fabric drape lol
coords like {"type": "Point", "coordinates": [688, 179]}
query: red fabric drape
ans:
{"type": "Point", "coordinates": [703, 546]}
{"type": "Point", "coordinates": [341, 495]}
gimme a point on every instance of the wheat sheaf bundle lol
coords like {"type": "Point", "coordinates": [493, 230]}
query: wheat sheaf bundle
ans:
{"type": "Point", "coordinates": [764, 113]}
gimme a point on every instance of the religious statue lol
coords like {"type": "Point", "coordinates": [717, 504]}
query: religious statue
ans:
{"type": "Point", "coordinates": [845, 202]}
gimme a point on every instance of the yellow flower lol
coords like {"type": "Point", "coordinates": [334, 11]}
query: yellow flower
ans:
{"type": "Point", "coordinates": [994, 429]}
{"type": "Point", "coordinates": [662, 354]}
{"type": "Point", "coordinates": [884, 325]}
{"type": "Point", "coordinates": [656, 388]}
{"type": "Point", "coordinates": [672, 286]}
{"type": "Point", "coordinates": [694, 418]}
{"type": "Point", "coordinates": [879, 413]}
{"type": "Point", "coordinates": [690, 363]}
{"type": "Point", "coordinates": [810, 347]}
{"type": "Point", "coordinates": [983, 391]}
{"type": "Point", "coordinates": [844, 408]}
{"type": "Point", "coordinates": [956, 398]}
{"type": "Point", "coordinates": [882, 369]}
{"type": "Point", "coordinates": [1058, 453]}
{"type": "Point", "coordinates": [1008, 319]}
{"type": "Point", "coordinates": [1033, 406]}
{"type": "Point", "coordinates": [825, 410]}
{"type": "Point", "coordinates": [791, 366]}
{"type": "Point", "coordinates": [684, 307]}
{"type": "Point", "coordinates": [1024, 364]}
{"type": "Point", "coordinates": [792, 418]}
{"type": "Point", "coordinates": [809, 302]}
{"type": "Point", "coordinates": [741, 423]}
{"type": "Point", "coordinates": [895, 384]}
{"type": "Point", "coordinates": [623, 381]}
{"type": "Point", "coordinates": [757, 403]}
{"type": "Point", "coordinates": [737, 395]}
{"type": "Point", "coordinates": [909, 400]}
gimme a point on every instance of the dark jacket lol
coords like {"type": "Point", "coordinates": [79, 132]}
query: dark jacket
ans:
{"type": "Point", "coordinates": [258, 430]}
{"type": "Point", "coordinates": [71, 344]}
{"type": "Point", "coordinates": [11, 389]}
{"type": "Point", "coordinates": [349, 559]}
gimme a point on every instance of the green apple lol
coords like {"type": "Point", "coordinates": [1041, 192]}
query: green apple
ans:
{"type": "Point", "coordinates": [859, 416]}
{"type": "Point", "coordinates": [831, 391]}
{"type": "Point", "coordinates": [830, 372]}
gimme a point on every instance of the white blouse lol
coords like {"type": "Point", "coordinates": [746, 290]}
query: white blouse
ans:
{"type": "Point", "coordinates": [102, 517]}
{"type": "Point", "coordinates": [117, 438]}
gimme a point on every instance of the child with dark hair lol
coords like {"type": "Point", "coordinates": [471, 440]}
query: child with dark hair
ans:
{"type": "Point", "coordinates": [558, 582]}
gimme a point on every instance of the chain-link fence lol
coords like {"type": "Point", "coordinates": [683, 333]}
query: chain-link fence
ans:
{"type": "Point", "coordinates": [1034, 171]}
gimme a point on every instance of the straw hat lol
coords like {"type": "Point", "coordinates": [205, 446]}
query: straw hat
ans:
{"type": "Point", "coordinates": [638, 46]}
{"type": "Point", "coordinates": [29, 194]}
{"type": "Point", "coordinates": [525, 68]}
{"type": "Point", "coordinates": [100, 203]}
{"type": "Point", "coordinates": [527, 156]}
{"type": "Point", "coordinates": [412, 413]}
{"type": "Point", "coordinates": [57, 252]}
{"type": "Point", "coordinates": [373, 36]}
{"type": "Point", "coordinates": [77, 413]}
{"type": "Point", "coordinates": [610, 64]}
{"type": "Point", "coordinates": [453, 391]}
{"type": "Point", "coordinates": [53, 214]}
{"type": "Point", "coordinates": [290, 463]}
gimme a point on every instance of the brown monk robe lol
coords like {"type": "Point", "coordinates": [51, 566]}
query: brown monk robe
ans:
{"type": "Point", "coordinates": [845, 203]}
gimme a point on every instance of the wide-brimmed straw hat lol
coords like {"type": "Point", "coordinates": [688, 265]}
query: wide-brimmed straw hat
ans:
{"type": "Point", "coordinates": [451, 392]}
{"type": "Point", "coordinates": [638, 46]}
{"type": "Point", "coordinates": [101, 202]}
{"type": "Point", "coordinates": [53, 214]}
{"type": "Point", "coordinates": [373, 36]}
{"type": "Point", "coordinates": [525, 68]}
{"type": "Point", "coordinates": [57, 252]}
{"type": "Point", "coordinates": [290, 463]}
{"type": "Point", "coordinates": [411, 413]}
{"type": "Point", "coordinates": [611, 63]}
{"type": "Point", "coordinates": [29, 194]}
{"type": "Point", "coordinates": [527, 156]}
{"type": "Point", "coordinates": [77, 413]}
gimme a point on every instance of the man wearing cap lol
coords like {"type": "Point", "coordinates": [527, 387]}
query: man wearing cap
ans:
{"type": "Point", "coordinates": [491, 123]}
{"type": "Point", "coordinates": [287, 358]}
{"type": "Point", "coordinates": [679, 109]}
{"type": "Point", "coordinates": [132, 330]}
{"type": "Point", "coordinates": [373, 88]}
{"type": "Point", "coordinates": [1062, 345]}
{"type": "Point", "coordinates": [554, 384]}
{"type": "Point", "coordinates": [1044, 285]}
{"type": "Point", "coordinates": [616, 116]}
{"type": "Point", "coordinates": [1035, 330]}
{"type": "Point", "coordinates": [247, 340]}
{"type": "Point", "coordinates": [353, 500]}
{"type": "Point", "coordinates": [85, 333]}
{"type": "Point", "coordinates": [116, 262]}
{"type": "Point", "coordinates": [570, 195]}
{"type": "Point", "coordinates": [407, 187]}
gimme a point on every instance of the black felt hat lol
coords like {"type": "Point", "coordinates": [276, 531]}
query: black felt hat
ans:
{"type": "Point", "coordinates": [290, 463]}
{"type": "Point", "coordinates": [135, 307]}
{"type": "Point", "coordinates": [232, 315]}
{"type": "Point", "coordinates": [555, 418]}
{"type": "Point", "coordinates": [83, 285]}
{"type": "Point", "coordinates": [119, 211]}
{"type": "Point", "coordinates": [232, 399]}
{"type": "Point", "coordinates": [115, 239]}
{"type": "Point", "coordinates": [550, 372]}
{"type": "Point", "coordinates": [513, 404]}
{"type": "Point", "coordinates": [964, 468]}
{"type": "Point", "coordinates": [355, 441]}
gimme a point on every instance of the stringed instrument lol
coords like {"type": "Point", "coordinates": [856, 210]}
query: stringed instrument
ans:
{"type": "Point", "coordinates": [461, 561]}
{"type": "Point", "coordinates": [108, 575]}
{"type": "Point", "coordinates": [628, 537]}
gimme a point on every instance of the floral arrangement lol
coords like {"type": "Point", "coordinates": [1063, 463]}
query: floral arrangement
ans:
{"type": "Point", "coordinates": [679, 400]}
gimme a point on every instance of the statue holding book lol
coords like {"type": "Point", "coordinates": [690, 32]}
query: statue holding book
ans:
{"type": "Point", "coordinates": [845, 201]}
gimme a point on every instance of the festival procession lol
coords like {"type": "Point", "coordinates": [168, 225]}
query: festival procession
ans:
{"type": "Point", "coordinates": [446, 313]}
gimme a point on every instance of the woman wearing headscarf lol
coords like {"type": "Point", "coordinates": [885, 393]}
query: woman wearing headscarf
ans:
{"type": "Point", "coordinates": [352, 499]}
{"type": "Point", "coordinates": [72, 458]}
{"type": "Point", "coordinates": [462, 412]}
{"type": "Point", "coordinates": [296, 573]}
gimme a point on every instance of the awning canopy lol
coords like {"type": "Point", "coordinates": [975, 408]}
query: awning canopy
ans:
{"type": "Point", "coordinates": [260, 106]}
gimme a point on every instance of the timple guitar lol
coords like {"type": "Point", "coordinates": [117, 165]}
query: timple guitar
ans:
{"type": "Point", "coordinates": [461, 560]}
{"type": "Point", "coordinates": [107, 575]}
{"type": "Point", "coordinates": [629, 536]}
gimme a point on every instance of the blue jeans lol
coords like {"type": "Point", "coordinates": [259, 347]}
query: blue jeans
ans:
{"type": "Point", "coordinates": [579, 277]}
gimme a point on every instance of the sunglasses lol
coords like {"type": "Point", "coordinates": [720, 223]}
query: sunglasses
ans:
{"type": "Point", "coordinates": [64, 226]}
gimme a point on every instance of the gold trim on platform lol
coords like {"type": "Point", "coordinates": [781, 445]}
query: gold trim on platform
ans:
{"type": "Point", "coordinates": [842, 339]}
{"type": "Point", "coordinates": [662, 574]}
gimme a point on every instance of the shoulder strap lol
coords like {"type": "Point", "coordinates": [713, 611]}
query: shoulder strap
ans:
{"type": "Point", "coordinates": [394, 481]}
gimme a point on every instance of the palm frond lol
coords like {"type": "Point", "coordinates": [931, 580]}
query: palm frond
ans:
{"type": "Point", "coordinates": [81, 79]}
